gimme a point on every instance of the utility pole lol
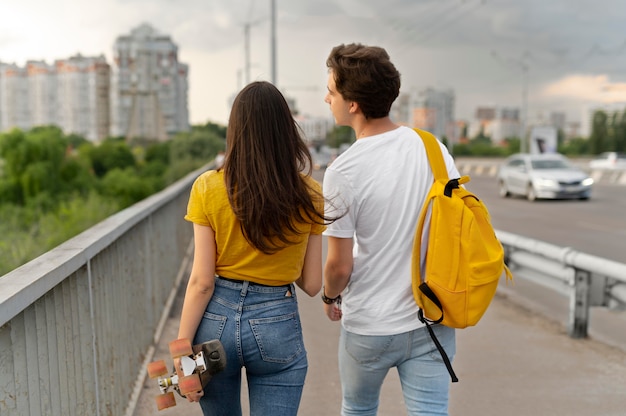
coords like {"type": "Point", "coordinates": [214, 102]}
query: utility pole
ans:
{"type": "Point", "coordinates": [246, 34]}
{"type": "Point", "coordinates": [521, 63]}
{"type": "Point", "coordinates": [273, 40]}
{"type": "Point", "coordinates": [523, 141]}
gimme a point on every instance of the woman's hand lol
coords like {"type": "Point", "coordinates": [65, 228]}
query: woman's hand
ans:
{"type": "Point", "coordinates": [333, 311]}
{"type": "Point", "coordinates": [191, 397]}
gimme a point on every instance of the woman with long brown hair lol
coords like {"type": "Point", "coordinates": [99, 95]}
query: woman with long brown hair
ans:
{"type": "Point", "coordinates": [257, 233]}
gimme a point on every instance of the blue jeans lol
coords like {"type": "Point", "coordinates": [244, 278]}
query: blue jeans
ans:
{"type": "Point", "coordinates": [365, 360]}
{"type": "Point", "coordinates": [260, 329]}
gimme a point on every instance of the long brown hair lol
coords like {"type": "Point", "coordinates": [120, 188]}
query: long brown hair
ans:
{"type": "Point", "coordinates": [265, 159]}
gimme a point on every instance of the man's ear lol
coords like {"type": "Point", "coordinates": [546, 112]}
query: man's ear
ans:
{"type": "Point", "coordinates": [354, 107]}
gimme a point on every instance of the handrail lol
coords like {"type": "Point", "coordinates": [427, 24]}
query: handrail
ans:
{"type": "Point", "coordinates": [78, 323]}
{"type": "Point", "coordinates": [587, 280]}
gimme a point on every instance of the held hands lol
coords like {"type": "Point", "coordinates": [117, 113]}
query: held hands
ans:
{"type": "Point", "coordinates": [333, 311]}
{"type": "Point", "coordinates": [191, 397]}
{"type": "Point", "coordinates": [332, 306]}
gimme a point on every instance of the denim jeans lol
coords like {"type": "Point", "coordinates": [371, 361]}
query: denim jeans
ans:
{"type": "Point", "coordinates": [260, 329]}
{"type": "Point", "coordinates": [365, 360]}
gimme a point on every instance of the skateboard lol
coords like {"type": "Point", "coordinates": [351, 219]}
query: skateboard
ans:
{"type": "Point", "coordinates": [199, 363]}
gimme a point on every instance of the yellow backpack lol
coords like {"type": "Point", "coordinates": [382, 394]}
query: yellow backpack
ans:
{"type": "Point", "coordinates": [464, 259]}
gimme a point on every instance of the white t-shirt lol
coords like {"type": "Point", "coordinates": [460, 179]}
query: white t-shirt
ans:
{"type": "Point", "coordinates": [382, 182]}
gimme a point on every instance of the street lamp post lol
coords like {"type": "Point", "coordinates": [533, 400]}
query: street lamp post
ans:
{"type": "Point", "coordinates": [524, 115]}
{"type": "Point", "coordinates": [521, 63]}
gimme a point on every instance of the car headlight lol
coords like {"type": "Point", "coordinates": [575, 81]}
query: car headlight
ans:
{"type": "Point", "coordinates": [587, 182]}
{"type": "Point", "coordinates": [547, 183]}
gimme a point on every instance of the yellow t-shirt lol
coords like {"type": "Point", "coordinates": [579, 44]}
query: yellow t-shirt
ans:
{"type": "Point", "coordinates": [236, 258]}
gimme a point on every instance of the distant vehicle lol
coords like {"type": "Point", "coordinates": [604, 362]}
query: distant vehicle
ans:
{"type": "Point", "coordinates": [543, 176]}
{"type": "Point", "coordinates": [609, 160]}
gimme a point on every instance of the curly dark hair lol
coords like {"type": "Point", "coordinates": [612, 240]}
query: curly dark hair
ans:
{"type": "Point", "coordinates": [365, 74]}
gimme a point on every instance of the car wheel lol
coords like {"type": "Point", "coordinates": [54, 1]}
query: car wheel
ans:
{"type": "Point", "coordinates": [503, 191]}
{"type": "Point", "coordinates": [530, 193]}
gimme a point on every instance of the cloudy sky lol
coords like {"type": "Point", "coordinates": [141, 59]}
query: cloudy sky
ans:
{"type": "Point", "coordinates": [574, 50]}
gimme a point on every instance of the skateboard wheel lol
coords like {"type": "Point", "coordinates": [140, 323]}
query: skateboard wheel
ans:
{"type": "Point", "coordinates": [180, 348]}
{"type": "Point", "coordinates": [157, 369]}
{"type": "Point", "coordinates": [165, 400]}
{"type": "Point", "coordinates": [189, 384]}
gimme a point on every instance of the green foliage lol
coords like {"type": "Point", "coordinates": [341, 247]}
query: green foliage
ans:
{"type": "Point", "coordinates": [29, 232]}
{"type": "Point", "coordinates": [109, 155]}
{"type": "Point", "coordinates": [33, 161]}
{"type": "Point", "coordinates": [198, 145]}
{"type": "Point", "coordinates": [574, 147]}
{"type": "Point", "coordinates": [125, 187]}
{"type": "Point", "coordinates": [214, 129]}
{"type": "Point", "coordinates": [599, 132]}
{"type": "Point", "coordinates": [340, 135]}
{"type": "Point", "coordinates": [54, 186]}
{"type": "Point", "coordinates": [608, 132]}
{"type": "Point", "coordinates": [158, 152]}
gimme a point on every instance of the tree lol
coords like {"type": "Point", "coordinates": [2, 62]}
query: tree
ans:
{"type": "Point", "coordinates": [109, 155]}
{"type": "Point", "coordinates": [599, 132]}
{"type": "Point", "coordinates": [340, 135]}
{"type": "Point", "coordinates": [620, 133]}
{"type": "Point", "coordinates": [33, 162]}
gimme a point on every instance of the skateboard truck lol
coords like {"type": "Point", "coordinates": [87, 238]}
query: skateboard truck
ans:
{"type": "Point", "coordinates": [199, 363]}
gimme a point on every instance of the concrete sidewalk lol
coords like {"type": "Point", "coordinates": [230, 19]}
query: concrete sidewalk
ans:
{"type": "Point", "coordinates": [515, 362]}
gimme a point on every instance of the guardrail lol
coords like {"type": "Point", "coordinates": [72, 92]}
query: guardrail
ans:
{"type": "Point", "coordinates": [587, 280]}
{"type": "Point", "coordinates": [78, 323]}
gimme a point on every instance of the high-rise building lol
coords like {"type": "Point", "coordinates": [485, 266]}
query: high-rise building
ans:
{"type": "Point", "coordinates": [42, 93]}
{"type": "Point", "coordinates": [83, 96]}
{"type": "Point", "coordinates": [428, 109]}
{"type": "Point", "coordinates": [14, 105]}
{"type": "Point", "coordinates": [497, 123]}
{"type": "Point", "coordinates": [72, 94]}
{"type": "Point", "coordinates": [433, 110]}
{"type": "Point", "coordinates": [149, 86]}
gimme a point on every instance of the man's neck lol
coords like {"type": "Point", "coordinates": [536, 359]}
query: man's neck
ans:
{"type": "Point", "coordinates": [373, 127]}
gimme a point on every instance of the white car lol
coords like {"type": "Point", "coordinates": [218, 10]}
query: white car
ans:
{"type": "Point", "coordinates": [543, 176]}
{"type": "Point", "coordinates": [609, 160]}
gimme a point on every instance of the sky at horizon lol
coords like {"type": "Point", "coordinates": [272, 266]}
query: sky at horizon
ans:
{"type": "Point", "coordinates": [574, 50]}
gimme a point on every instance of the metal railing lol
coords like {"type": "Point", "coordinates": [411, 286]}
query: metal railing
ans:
{"type": "Point", "coordinates": [78, 323]}
{"type": "Point", "coordinates": [587, 280]}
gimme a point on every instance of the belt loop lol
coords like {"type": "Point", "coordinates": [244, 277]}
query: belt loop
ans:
{"type": "Point", "coordinates": [244, 287]}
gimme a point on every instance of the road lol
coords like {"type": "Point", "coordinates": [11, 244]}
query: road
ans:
{"type": "Point", "coordinates": [596, 226]}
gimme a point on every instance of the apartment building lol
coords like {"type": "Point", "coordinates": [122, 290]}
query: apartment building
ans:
{"type": "Point", "coordinates": [14, 101]}
{"type": "Point", "coordinates": [143, 95]}
{"type": "Point", "coordinates": [148, 87]}
{"type": "Point", "coordinates": [42, 93]}
{"type": "Point", "coordinates": [427, 109]}
{"type": "Point", "coordinates": [499, 123]}
{"type": "Point", "coordinates": [83, 96]}
{"type": "Point", "coordinates": [72, 94]}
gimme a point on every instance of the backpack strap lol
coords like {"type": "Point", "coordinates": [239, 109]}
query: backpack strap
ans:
{"type": "Point", "coordinates": [435, 158]}
{"type": "Point", "coordinates": [438, 166]}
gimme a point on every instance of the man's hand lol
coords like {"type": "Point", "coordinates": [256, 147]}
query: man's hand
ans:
{"type": "Point", "coordinates": [333, 311]}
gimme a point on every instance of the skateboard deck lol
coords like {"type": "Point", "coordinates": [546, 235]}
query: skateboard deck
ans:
{"type": "Point", "coordinates": [199, 363]}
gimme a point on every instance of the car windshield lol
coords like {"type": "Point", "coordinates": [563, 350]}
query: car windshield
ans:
{"type": "Point", "coordinates": [549, 164]}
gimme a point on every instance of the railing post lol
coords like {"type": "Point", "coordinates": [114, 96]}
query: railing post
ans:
{"type": "Point", "coordinates": [579, 305]}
